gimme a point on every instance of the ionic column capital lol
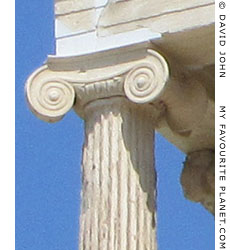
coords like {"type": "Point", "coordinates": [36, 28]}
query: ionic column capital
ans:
{"type": "Point", "coordinates": [56, 87]}
{"type": "Point", "coordinates": [138, 73]}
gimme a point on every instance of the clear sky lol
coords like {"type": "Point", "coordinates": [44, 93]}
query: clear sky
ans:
{"type": "Point", "coordinates": [48, 156]}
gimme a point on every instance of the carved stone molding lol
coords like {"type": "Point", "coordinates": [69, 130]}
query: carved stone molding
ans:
{"type": "Point", "coordinates": [88, 92]}
{"type": "Point", "coordinates": [52, 92]}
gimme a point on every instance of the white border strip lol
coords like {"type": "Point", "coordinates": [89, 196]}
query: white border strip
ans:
{"type": "Point", "coordinates": [222, 125]}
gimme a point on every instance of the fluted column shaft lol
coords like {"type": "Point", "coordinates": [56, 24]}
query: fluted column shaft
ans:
{"type": "Point", "coordinates": [118, 195]}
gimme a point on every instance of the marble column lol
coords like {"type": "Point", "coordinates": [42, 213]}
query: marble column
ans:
{"type": "Point", "coordinates": [120, 107]}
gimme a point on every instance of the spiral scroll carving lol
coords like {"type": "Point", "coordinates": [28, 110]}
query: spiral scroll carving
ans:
{"type": "Point", "coordinates": [50, 99]}
{"type": "Point", "coordinates": [145, 82]}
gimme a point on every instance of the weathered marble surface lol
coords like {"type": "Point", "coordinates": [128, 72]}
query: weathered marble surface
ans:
{"type": "Point", "coordinates": [198, 178]}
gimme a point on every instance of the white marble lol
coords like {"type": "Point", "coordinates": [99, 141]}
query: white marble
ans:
{"type": "Point", "coordinates": [90, 43]}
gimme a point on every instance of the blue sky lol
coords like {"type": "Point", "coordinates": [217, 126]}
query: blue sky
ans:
{"type": "Point", "coordinates": [48, 156]}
